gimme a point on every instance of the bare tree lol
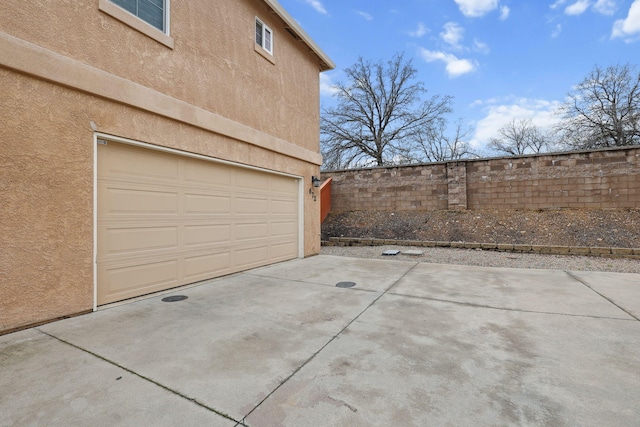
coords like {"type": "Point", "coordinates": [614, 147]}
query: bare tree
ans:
{"type": "Point", "coordinates": [604, 109]}
{"type": "Point", "coordinates": [436, 146]}
{"type": "Point", "coordinates": [518, 137]}
{"type": "Point", "coordinates": [379, 114]}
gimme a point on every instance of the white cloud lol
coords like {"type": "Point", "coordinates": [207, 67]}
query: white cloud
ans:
{"type": "Point", "coordinates": [476, 8]}
{"type": "Point", "coordinates": [481, 47]}
{"type": "Point", "coordinates": [317, 5]}
{"type": "Point", "coordinates": [455, 66]}
{"type": "Point", "coordinates": [499, 112]}
{"type": "Point", "coordinates": [453, 34]}
{"type": "Point", "coordinates": [556, 31]}
{"type": "Point", "coordinates": [420, 31]}
{"type": "Point", "coordinates": [577, 8]}
{"type": "Point", "coordinates": [327, 87]}
{"type": "Point", "coordinates": [605, 7]}
{"type": "Point", "coordinates": [628, 28]}
{"type": "Point", "coordinates": [504, 13]}
{"type": "Point", "coordinates": [365, 15]}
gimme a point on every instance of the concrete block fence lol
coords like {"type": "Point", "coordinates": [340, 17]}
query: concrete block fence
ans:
{"type": "Point", "coordinates": [601, 179]}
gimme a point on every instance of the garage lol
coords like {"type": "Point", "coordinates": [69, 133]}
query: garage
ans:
{"type": "Point", "coordinates": [166, 219]}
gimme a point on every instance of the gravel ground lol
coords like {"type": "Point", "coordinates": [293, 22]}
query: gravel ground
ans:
{"type": "Point", "coordinates": [618, 228]}
{"type": "Point", "coordinates": [490, 258]}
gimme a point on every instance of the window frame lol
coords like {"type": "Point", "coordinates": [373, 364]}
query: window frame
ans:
{"type": "Point", "coordinates": [139, 24]}
{"type": "Point", "coordinates": [165, 14]}
{"type": "Point", "coordinates": [263, 38]}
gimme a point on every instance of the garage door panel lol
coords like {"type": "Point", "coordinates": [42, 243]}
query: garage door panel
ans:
{"type": "Point", "coordinates": [207, 234]}
{"type": "Point", "coordinates": [250, 179]}
{"type": "Point", "coordinates": [281, 184]}
{"type": "Point", "coordinates": [134, 280]}
{"type": "Point", "coordinates": [158, 230]}
{"type": "Point", "coordinates": [202, 173]}
{"type": "Point", "coordinates": [251, 257]}
{"type": "Point", "coordinates": [138, 239]}
{"type": "Point", "coordinates": [130, 162]}
{"type": "Point", "coordinates": [281, 251]}
{"type": "Point", "coordinates": [288, 207]}
{"type": "Point", "coordinates": [205, 266]}
{"type": "Point", "coordinates": [140, 202]}
{"type": "Point", "coordinates": [253, 206]}
{"type": "Point", "coordinates": [207, 204]}
{"type": "Point", "coordinates": [284, 229]}
{"type": "Point", "coordinates": [252, 231]}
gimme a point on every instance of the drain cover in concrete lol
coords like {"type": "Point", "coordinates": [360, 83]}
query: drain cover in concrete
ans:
{"type": "Point", "coordinates": [345, 284]}
{"type": "Point", "coordinates": [414, 252]}
{"type": "Point", "coordinates": [174, 298]}
{"type": "Point", "coordinates": [391, 252]}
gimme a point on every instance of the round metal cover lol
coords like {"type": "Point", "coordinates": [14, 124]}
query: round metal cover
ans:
{"type": "Point", "coordinates": [346, 284]}
{"type": "Point", "coordinates": [174, 298]}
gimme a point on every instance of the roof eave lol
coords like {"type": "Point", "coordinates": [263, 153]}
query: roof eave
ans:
{"type": "Point", "coordinates": [297, 32]}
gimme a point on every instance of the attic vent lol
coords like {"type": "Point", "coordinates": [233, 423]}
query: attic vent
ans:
{"type": "Point", "coordinates": [293, 33]}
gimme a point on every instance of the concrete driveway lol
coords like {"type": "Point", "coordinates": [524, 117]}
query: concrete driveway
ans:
{"type": "Point", "coordinates": [412, 344]}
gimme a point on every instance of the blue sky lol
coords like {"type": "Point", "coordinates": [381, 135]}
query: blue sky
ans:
{"type": "Point", "coordinates": [499, 59]}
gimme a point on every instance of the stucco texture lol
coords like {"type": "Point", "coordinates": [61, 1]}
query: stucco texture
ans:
{"type": "Point", "coordinates": [213, 64]}
{"type": "Point", "coordinates": [213, 90]}
{"type": "Point", "coordinates": [46, 198]}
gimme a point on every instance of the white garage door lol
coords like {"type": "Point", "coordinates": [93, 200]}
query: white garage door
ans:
{"type": "Point", "coordinates": [166, 220]}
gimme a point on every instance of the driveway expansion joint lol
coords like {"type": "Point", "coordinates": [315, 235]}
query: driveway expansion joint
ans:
{"type": "Point", "coordinates": [573, 276]}
{"type": "Point", "coordinates": [333, 338]}
{"type": "Point", "coordinates": [520, 310]}
{"type": "Point", "coordinates": [132, 372]}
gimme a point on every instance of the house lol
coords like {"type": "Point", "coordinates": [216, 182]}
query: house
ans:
{"type": "Point", "coordinates": [145, 145]}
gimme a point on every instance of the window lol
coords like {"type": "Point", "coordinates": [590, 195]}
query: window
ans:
{"type": "Point", "coordinates": [153, 12]}
{"type": "Point", "coordinates": [139, 17]}
{"type": "Point", "coordinates": [264, 36]}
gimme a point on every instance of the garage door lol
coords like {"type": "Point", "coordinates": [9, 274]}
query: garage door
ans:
{"type": "Point", "coordinates": [166, 220]}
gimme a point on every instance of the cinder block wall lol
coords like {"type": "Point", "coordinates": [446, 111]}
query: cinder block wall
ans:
{"type": "Point", "coordinates": [587, 179]}
{"type": "Point", "coordinates": [405, 188]}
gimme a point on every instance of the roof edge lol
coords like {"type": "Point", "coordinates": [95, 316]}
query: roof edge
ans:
{"type": "Point", "coordinates": [326, 63]}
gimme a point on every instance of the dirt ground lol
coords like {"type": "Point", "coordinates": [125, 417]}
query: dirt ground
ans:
{"type": "Point", "coordinates": [562, 227]}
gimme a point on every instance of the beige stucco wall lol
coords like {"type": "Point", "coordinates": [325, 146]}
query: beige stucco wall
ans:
{"type": "Point", "coordinates": [213, 64]}
{"type": "Point", "coordinates": [46, 196]}
{"type": "Point", "coordinates": [212, 95]}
